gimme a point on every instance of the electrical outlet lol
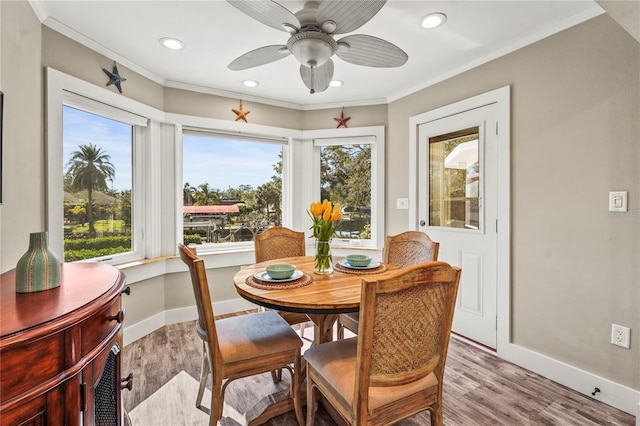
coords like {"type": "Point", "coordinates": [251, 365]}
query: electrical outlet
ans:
{"type": "Point", "coordinates": [620, 335]}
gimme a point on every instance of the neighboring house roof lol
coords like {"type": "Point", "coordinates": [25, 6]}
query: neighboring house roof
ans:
{"type": "Point", "coordinates": [211, 209]}
{"type": "Point", "coordinates": [99, 198]}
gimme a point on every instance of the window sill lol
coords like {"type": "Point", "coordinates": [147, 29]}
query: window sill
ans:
{"type": "Point", "coordinates": [145, 269]}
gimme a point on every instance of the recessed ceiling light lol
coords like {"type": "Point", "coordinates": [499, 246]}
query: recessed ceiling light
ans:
{"type": "Point", "coordinates": [250, 83]}
{"type": "Point", "coordinates": [336, 83]}
{"type": "Point", "coordinates": [433, 20]}
{"type": "Point", "coordinates": [172, 43]}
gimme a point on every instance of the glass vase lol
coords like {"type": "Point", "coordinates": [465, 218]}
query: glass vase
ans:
{"type": "Point", "coordinates": [323, 260]}
{"type": "Point", "coordinates": [38, 269]}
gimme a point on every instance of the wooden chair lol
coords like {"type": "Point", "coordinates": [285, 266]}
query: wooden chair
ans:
{"type": "Point", "coordinates": [402, 250]}
{"type": "Point", "coordinates": [279, 242]}
{"type": "Point", "coordinates": [395, 367]}
{"type": "Point", "coordinates": [241, 346]}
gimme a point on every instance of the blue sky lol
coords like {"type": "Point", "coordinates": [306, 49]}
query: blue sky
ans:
{"type": "Point", "coordinates": [82, 128]}
{"type": "Point", "coordinates": [221, 163]}
{"type": "Point", "coordinates": [224, 163]}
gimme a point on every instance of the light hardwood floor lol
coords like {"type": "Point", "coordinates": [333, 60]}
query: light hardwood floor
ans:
{"type": "Point", "coordinates": [480, 389]}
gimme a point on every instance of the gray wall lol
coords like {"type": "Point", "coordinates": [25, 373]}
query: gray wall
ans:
{"type": "Point", "coordinates": [575, 136]}
{"type": "Point", "coordinates": [23, 203]}
{"type": "Point", "coordinates": [575, 116]}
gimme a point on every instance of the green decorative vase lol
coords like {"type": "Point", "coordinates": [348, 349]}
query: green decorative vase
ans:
{"type": "Point", "coordinates": [38, 269]}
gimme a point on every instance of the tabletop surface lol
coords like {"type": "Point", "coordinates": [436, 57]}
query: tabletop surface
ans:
{"type": "Point", "coordinates": [338, 292]}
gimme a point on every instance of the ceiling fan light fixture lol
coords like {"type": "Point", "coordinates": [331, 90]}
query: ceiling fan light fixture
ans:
{"type": "Point", "coordinates": [336, 83]}
{"type": "Point", "coordinates": [312, 49]}
{"type": "Point", "coordinates": [433, 20]}
{"type": "Point", "coordinates": [171, 43]}
{"type": "Point", "coordinates": [250, 83]}
{"type": "Point", "coordinates": [329, 26]}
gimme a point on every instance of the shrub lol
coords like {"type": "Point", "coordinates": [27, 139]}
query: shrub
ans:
{"type": "Point", "coordinates": [98, 243]}
{"type": "Point", "coordinates": [192, 239]}
{"type": "Point", "coordinates": [73, 255]}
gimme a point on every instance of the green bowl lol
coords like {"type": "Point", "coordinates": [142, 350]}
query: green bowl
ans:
{"type": "Point", "coordinates": [280, 271]}
{"type": "Point", "coordinates": [358, 260]}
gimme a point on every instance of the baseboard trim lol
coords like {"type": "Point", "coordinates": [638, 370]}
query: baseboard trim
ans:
{"type": "Point", "coordinates": [619, 396]}
{"type": "Point", "coordinates": [140, 329]}
{"type": "Point", "coordinates": [149, 325]}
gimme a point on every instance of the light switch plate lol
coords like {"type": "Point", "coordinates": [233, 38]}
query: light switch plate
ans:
{"type": "Point", "coordinates": [402, 203]}
{"type": "Point", "coordinates": [618, 201]}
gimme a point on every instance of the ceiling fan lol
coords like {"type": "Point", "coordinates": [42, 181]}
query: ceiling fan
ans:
{"type": "Point", "coordinates": [311, 38]}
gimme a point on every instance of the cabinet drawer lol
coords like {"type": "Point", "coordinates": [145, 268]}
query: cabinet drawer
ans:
{"type": "Point", "coordinates": [95, 329]}
{"type": "Point", "coordinates": [26, 365]}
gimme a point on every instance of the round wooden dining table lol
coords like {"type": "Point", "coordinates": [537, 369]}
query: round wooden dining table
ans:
{"type": "Point", "coordinates": [321, 297]}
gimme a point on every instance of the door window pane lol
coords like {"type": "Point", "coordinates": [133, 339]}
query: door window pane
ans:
{"type": "Point", "coordinates": [232, 189]}
{"type": "Point", "coordinates": [454, 180]}
{"type": "Point", "coordinates": [346, 179]}
{"type": "Point", "coordinates": [98, 158]}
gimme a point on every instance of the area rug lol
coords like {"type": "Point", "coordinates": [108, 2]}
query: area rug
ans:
{"type": "Point", "coordinates": [174, 403]}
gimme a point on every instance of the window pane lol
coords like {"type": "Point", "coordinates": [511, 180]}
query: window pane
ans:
{"type": "Point", "coordinates": [232, 188]}
{"type": "Point", "coordinates": [346, 179]}
{"type": "Point", "coordinates": [454, 179]}
{"type": "Point", "coordinates": [98, 160]}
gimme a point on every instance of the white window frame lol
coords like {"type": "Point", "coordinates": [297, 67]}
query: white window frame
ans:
{"type": "Point", "coordinates": [375, 136]}
{"type": "Point", "coordinates": [158, 159]}
{"type": "Point", "coordinates": [284, 142]}
{"type": "Point", "coordinates": [63, 89]}
{"type": "Point", "coordinates": [246, 131]}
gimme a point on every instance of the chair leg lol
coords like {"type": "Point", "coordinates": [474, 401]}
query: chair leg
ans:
{"type": "Point", "coordinates": [302, 327]}
{"type": "Point", "coordinates": [311, 401]}
{"type": "Point", "coordinates": [340, 329]}
{"type": "Point", "coordinates": [295, 389]}
{"type": "Point", "coordinates": [217, 399]}
{"type": "Point", "coordinates": [204, 374]}
{"type": "Point", "coordinates": [276, 375]}
{"type": "Point", "coordinates": [436, 415]}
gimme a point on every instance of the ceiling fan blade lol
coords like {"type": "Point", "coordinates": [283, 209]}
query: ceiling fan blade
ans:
{"type": "Point", "coordinates": [317, 79]}
{"type": "Point", "coordinates": [348, 15]}
{"type": "Point", "coordinates": [268, 12]}
{"type": "Point", "coordinates": [370, 52]}
{"type": "Point", "coordinates": [260, 56]}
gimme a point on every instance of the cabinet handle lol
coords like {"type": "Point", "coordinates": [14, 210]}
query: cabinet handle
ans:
{"type": "Point", "coordinates": [127, 382]}
{"type": "Point", "coordinates": [119, 317]}
{"type": "Point", "coordinates": [127, 290]}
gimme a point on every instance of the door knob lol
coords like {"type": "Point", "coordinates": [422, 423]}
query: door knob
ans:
{"type": "Point", "coordinates": [423, 223]}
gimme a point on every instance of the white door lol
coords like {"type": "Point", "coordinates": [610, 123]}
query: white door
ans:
{"type": "Point", "coordinates": [457, 195]}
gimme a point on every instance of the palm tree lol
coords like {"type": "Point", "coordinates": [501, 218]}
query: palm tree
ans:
{"type": "Point", "coordinates": [206, 196]}
{"type": "Point", "coordinates": [187, 194]}
{"type": "Point", "coordinates": [90, 168]}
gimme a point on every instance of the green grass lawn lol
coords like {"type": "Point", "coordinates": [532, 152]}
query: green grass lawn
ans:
{"type": "Point", "coordinates": [101, 226]}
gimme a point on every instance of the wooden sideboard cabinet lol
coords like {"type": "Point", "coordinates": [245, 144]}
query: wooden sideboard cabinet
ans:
{"type": "Point", "coordinates": [60, 349]}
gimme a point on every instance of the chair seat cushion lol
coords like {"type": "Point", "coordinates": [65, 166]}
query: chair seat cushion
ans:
{"type": "Point", "coordinates": [255, 335]}
{"type": "Point", "coordinates": [336, 362]}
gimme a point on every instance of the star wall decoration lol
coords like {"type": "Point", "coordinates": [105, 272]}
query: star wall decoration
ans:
{"type": "Point", "coordinates": [342, 120]}
{"type": "Point", "coordinates": [114, 77]}
{"type": "Point", "coordinates": [241, 114]}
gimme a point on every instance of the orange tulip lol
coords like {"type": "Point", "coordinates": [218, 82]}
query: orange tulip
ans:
{"type": "Point", "coordinates": [316, 209]}
{"type": "Point", "coordinates": [326, 216]}
{"type": "Point", "coordinates": [336, 214]}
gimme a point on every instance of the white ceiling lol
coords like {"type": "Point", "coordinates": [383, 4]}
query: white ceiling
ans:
{"type": "Point", "coordinates": [215, 33]}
